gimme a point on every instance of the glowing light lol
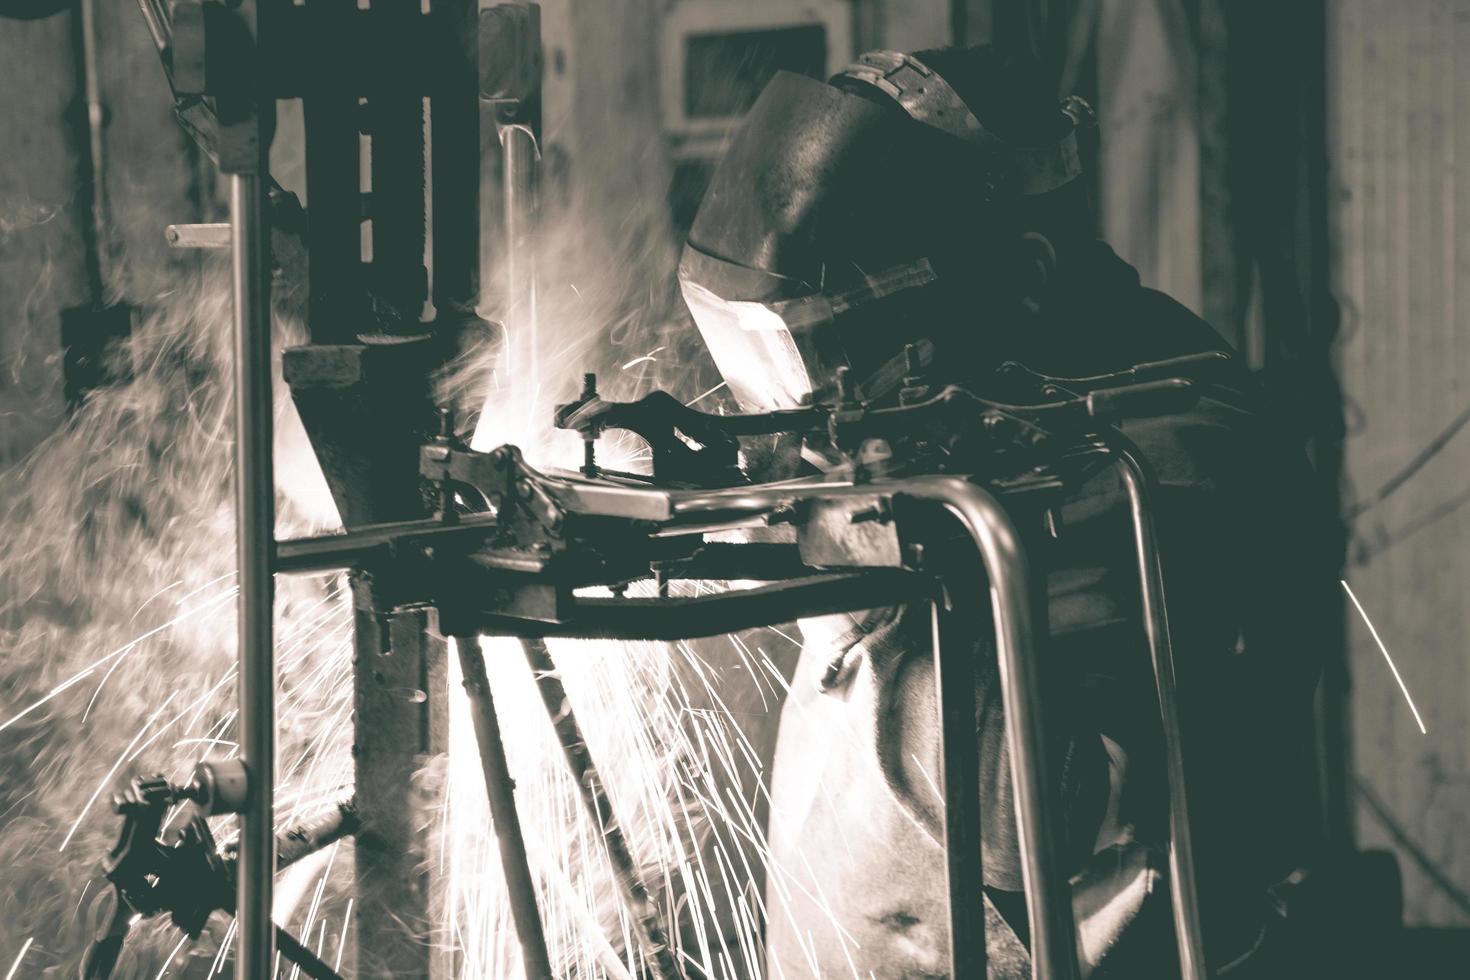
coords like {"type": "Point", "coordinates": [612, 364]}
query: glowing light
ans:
{"type": "Point", "coordinates": [1391, 666]}
{"type": "Point", "coordinates": [755, 350]}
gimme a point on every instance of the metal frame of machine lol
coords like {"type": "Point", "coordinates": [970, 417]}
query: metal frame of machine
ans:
{"type": "Point", "coordinates": [500, 548]}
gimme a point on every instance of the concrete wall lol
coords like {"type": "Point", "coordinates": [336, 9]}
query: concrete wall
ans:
{"type": "Point", "coordinates": [1399, 94]}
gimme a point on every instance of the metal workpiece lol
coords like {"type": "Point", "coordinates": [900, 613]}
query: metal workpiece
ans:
{"type": "Point", "coordinates": [1138, 480]}
{"type": "Point", "coordinates": [255, 518]}
{"type": "Point", "coordinates": [500, 789]}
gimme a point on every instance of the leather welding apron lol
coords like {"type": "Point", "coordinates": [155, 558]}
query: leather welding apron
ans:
{"type": "Point", "coordinates": [857, 885]}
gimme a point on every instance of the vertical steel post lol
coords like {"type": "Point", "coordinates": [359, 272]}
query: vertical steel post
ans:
{"type": "Point", "coordinates": [1183, 889]}
{"type": "Point", "coordinates": [255, 518]}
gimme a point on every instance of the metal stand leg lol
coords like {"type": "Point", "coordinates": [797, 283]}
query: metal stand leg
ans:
{"type": "Point", "coordinates": [255, 517]}
{"type": "Point", "coordinates": [1183, 891]}
{"type": "Point", "coordinates": [955, 677]}
{"type": "Point", "coordinates": [500, 789]}
{"type": "Point", "coordinates": [1048, 894]}
{"type": "Point", "coordinates": [579, 760]}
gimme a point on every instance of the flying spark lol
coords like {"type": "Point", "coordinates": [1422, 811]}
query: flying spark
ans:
{"type": "Point", "coordinates": [23, 950]}
{"type": "Point", "coordinates": [1376, 639]}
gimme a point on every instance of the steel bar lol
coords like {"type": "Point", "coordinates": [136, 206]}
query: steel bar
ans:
{"type": "Point", "coordinates": [500, 789]}
{"type": "Point", "coordinates": [1183, 888]}
{"type": "Point", "coordinates": [198, 236]}
{"type": "Point", "coordinates": [255, 513]}
{"type": "Point", "coordinates": [367, 542]}
{"type": "Point", "coordinates": [521, 163]}
{"type": "Point", "coordinates": [96, 148]}
{"type": "Point", "coordinates": [689, 617]}
{"type": "Point", "coordinates": [955, 677]}
{"type": "Point", "coordinates": [630, 883]}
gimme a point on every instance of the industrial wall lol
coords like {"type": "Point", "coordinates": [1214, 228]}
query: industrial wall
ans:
{"type": "Point", "coordinates": [1399, 92]}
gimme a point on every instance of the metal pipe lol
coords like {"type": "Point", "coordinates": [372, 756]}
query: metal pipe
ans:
{"type": "Point", "coordinates": [1048, 895]}
{"type": "Point", "coordinates": [500, 789]}
{"type": "Point", "coordinates": [255, 513]}
{"type": "Point", "coordinates": [1183, 889]}
{"type": "Point", "coordinates": [96, 149]}
{"type": "Point", "coordinates": [579, 760]}
{"type": "Point", "coordinates": [521, 159]}
{"type": "Point", "coordinates": [158, 25]}
{"type": "Point", "coordinates": [955, 678]}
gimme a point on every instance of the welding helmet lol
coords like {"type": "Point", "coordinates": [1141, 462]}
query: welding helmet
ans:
{"type": "Point", "coordinates": [851, 218]}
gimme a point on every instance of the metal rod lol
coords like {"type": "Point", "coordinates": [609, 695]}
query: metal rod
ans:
{"type": "Point", "coordinates": [500, 789]}
{"type": "Point", "coordinates": [255, 511]}
{"type": "Point", "coordinates": [1183, 889]}
{"type": "Point", "coordinates": [579, 760]}
{"type": "Point", "coordinates": [310, 964]}
{"type": "Point", "coordinates": [521, 186]}
{"type": "Point", "coordinates": [92, 95]}
{"type": "Point", "coordinates": [1048, 895]}
{"type": "Point", "coordinates": [955, 677]}
{"type": "Point", "coordinates": [157, 21]}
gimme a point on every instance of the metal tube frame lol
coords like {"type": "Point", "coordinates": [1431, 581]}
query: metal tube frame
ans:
{"type": "Point", "coordinates": [255, 512]}
{"type": "Point", "coordinates": [1138, 480]}
{"type": "Point", "coordinates": [676, 512]}
{"type": "Point", "coordinates": [1048, 893]}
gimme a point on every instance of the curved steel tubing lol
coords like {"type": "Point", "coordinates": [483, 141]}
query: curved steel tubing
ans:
{"type": "Point", "coordinates": [1048, 894]}
{"type": "Point", "coordinates": [1183, 890]}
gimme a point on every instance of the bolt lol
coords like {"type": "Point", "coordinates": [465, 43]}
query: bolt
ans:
{"type": "Point", "coordinates": [589, 385]}
{"type": "Point", "coordinates": [446, 423]}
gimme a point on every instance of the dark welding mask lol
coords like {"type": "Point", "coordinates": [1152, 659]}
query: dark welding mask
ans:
{"type": "Point", "coordinates": [848, 220]}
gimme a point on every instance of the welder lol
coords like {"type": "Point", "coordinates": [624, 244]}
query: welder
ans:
{"type": "Point", "coordinates": [927, 214]}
